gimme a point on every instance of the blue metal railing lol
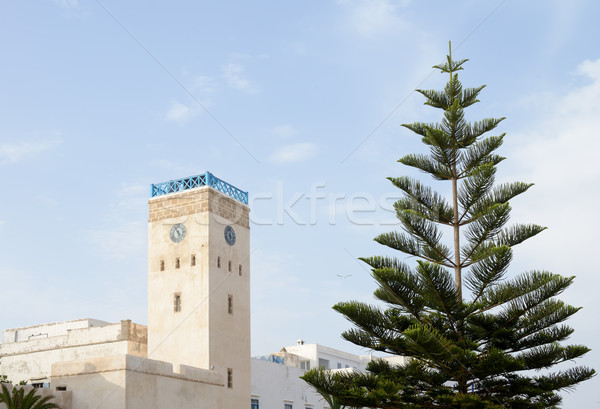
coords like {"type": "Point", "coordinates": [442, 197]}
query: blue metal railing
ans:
{"type": "Point", "coordinates": [206, 179]}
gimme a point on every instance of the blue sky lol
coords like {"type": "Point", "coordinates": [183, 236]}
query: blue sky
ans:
{"type": "Point", "coordinates": [101, 99]}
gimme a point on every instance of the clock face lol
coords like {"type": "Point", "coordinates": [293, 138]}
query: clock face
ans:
{"type": "Point", "coordinates": [177, 233]}
{"type": "Point", "coordinates": [229, 235]}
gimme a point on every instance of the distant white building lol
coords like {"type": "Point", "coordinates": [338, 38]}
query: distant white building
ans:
{"type": "Point", "coordinates": [195, 351]}
{"type": "Point", "coordinates": [276, 377]}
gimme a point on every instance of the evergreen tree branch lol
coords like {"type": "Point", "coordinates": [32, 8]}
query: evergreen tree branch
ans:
{"type": "Point", "coordinates": [425, 164]}
{"type": "Point", "coordinates": [489, 270]}
{"type": "Point", "coordinates": [422, 198]}
{"type": "Point", "coordinates": [427, 234]}
{"type": "Point", "coordinates": [473, 189]}
{"type": "Point", "coordinates": [439, 292]}
{"type": "Point", "coordinates": [480, 152]}
{"type": "Point", "coordinates": [483, 230]}
{"type": "Point", "coordinates": [399, 241]}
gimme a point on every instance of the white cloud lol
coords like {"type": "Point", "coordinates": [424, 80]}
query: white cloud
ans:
{"type": "Point", "coordinates": [559, 154]}
{"type": "Point", "coordinates": [371, 17]}
{"type": "Point", "coordinates": [67, 4]}
{"type": "Point", "coordinates": [127, 240]}
{"type": "Point", "coordinates": [126, 236]}
{"type": "Point", "coordinates": [180, 113]}
{"type": "Point", "coordinates": [234, 74]}
{"type": "Point", "coordinates": [284, 131]}
{"type": "Point", "coordinates": [204, 84]}
{"type": "Point", "coordinates": [297, 152]}
{"type": "Point", "coordinates": [15, 152]}
{"type": "Point", "coordinates": [201, 87]}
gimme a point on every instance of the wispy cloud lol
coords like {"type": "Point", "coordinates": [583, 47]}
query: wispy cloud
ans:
{"type": "Point", "coordinates": [14, 152]}
{"type": "Point", "coordinates": [179, 112]}
{"type": "Point", "coordinates": [123, 241]}
{"type": "Point", "coordinates": [125, 236]}
{"type": "Point", "coordinates": [67, 4]}
{"type": "Point", "coordinates": [294, 153]}
{"type": "Point", "coordinates": [234, 74]}
{"type": "Point", "coordinates": [201, 86]}
{"type": "Point", "coordinates": [559, 154]}
{"type": "Point", "coordinates": [283, 131]}
{"type": "Point", "coordinates": [73, 8]}
{"type": "Point", "coordinates": [372, 17]}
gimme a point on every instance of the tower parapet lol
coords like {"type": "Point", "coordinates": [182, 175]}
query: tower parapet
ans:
{"type": "Point", "coordinates": [191, 182]}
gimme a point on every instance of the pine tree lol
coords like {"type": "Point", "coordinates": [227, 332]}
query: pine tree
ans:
{"type": "Point", "coordinates": [497, 347]}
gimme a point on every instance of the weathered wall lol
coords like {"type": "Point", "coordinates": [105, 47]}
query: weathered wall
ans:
{"type": "Point", "coordinates": [48, 330]}
{"type": "Point", "coordinates": [32, 360]}
{"type": "Point", "coordinates": [130, 382]}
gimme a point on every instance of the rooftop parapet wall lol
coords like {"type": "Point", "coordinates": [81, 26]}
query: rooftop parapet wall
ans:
{"type": "Point", "coordinates": [130, 382]}
{"type": "Point", "coordinates": [123, 331]}
{"type": "Point", "coordinates": [138, 364]}
{"type": "Point", "coordinates": [48, 330]}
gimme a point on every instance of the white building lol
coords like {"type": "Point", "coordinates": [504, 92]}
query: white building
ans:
{"type": "Point", "coordinates": [195, 351]}
{"type": "Point", "coordinates": [43, 354]}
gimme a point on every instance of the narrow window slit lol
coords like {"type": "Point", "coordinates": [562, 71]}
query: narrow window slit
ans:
{"type": "Point", "coordinates": [177, 302]}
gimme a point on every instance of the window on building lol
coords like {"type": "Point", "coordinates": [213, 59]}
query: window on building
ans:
{"type": "Point", "coordinates": [162, 265]}
{"type": "Point", "coordinates": [218, 262]}
{"type": "Point", "coordinates": [230, 304]}
{"type": "Point", "coordinates": [193, 261]}
{"type": "Point", "coordinates": [339, 365]}
{"type": "Point", "coordinates": [37, 385]}
{"type": "Point", "coordinates": [288, 406]}
{"type": "Point", "coordinates": [305, 365]}
{"type": "Point", "coordinates": [240, 269]}
{"type": "Point", "coordinates": [229, 378]}
{"type": "Point", "coordinates": [177, 264]}
{"type": "Point", "coordinates": [347, 366]}
{"type": "Point", "coordinates": [229, 266]}
{"type": "Point", "coordinates": [254, 404]}
{"type": "Point", "coordinates": [323, 363]}
{"type": "Point", "coordinates": [177, 302]}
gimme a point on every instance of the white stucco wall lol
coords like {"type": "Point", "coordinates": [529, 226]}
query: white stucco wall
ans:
{"type": "Point", "coordinates": [130, 382]}
{"type": "Point", "coordinates": [314, 352]}
{"type": "Point", "coordinates": [48, 330]}
{"type": "Point", "coordinates": [31, 360]}
{"type": "Point", "coordinates": [275, 384]}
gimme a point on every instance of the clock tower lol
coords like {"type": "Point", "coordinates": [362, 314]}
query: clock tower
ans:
{"type": "Point", "coordinates": [199, 280]}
